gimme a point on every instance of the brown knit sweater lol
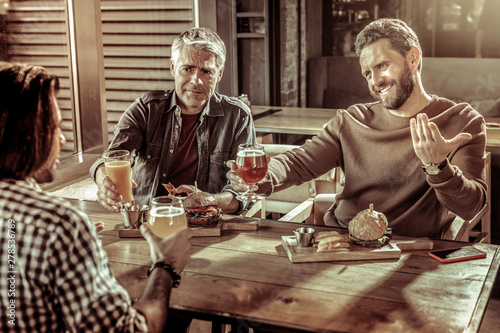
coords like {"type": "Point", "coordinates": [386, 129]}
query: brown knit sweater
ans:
{"type": "Point", "coordinates": [375, 151]}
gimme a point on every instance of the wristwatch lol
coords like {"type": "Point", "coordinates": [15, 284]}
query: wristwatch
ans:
{"type": "Point", "coordinates": [433, 168]}
{"type": "Point", "coordinates": [175, 277]}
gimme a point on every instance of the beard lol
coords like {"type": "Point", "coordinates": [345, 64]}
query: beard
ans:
{"type": "Point", "coordinates": [405, 86]}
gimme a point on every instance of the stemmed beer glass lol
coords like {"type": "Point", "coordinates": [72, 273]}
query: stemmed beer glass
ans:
{"type": "Point", "coordinates": [167, 216]}
{"type": "Point", "coordinates": [251, 163]}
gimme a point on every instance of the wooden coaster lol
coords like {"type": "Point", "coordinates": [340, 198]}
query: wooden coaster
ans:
{"type": "Point", "coordinates": [214, 230]}
{"type": "Point", "coordinates": [199, 231]}
{"type": "Point", "coordinates": [129, 233]}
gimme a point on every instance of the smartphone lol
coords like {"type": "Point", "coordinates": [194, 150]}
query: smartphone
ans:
{"type": "Point", "coordinates": [457, 254]}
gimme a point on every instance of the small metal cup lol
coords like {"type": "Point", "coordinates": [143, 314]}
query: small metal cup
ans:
{"type": "Point", "coordinates": [134, 216]}
{"type": "Point", "coordinates": [304, 236]}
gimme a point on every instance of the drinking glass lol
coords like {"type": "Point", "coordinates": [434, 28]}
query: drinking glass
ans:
{"type": "Point", "coordinates": [118, 168]}
{"type": "Point", "coordinates": [251, 163]}
{"type": "Point", "coordinates": [166, 216]}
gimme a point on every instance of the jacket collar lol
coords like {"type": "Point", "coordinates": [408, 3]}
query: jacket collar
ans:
{"type": "Point", "coordinates": [212, 109]}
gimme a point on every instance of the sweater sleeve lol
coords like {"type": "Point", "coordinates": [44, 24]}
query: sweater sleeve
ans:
{"type": "Point", "coordinates": [461, 186]}
{"type": "Point", "coordinates": [309, 161]}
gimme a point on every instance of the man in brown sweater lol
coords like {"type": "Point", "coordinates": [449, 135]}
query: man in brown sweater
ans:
{"type": "Point", "coordinates": [415, 156]}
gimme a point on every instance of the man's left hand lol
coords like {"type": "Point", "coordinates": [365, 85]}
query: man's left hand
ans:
{"type": "Point", "coordinates": [428, 143]}
{"type": "Point", "coordinates": [200, 199]}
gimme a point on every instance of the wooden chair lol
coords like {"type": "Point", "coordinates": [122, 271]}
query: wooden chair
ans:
{"type": "Point", "coordinates": [460, 229]}
{"type": "Point", "coordinates": [312, 211]}
{"type": "Point", "coordinates": [282, 202]}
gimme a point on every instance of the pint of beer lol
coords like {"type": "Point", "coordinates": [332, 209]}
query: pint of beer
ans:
{"type": "Point", "coordinates": [118, 168]}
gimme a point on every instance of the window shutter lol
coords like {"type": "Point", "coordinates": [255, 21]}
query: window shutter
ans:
{"type": "Point", "coordinates": [36, 34]}
{"type": "Point", "coordinates": [137, 36]}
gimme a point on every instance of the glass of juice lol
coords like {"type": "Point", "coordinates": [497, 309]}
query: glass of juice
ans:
{"type": "Point", "coordinates": [251, 163]}
{"type": "Point", "coordinates": [118, 168]}
{"type": "Point", "coordinates": [166, 216]}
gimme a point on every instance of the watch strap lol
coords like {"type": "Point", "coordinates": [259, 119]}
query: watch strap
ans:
{"type": "Point", "coordinates": [175, 277]}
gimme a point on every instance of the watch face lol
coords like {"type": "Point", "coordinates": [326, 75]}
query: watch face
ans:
{"type": "Point", "coordinates": [432, 169]}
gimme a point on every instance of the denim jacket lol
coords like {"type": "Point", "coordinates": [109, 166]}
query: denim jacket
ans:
{"type": "Point", "coordinates": [150, 130]}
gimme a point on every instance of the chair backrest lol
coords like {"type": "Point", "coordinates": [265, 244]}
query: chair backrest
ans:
{"type": "Point", "coordinates": [463, 230]}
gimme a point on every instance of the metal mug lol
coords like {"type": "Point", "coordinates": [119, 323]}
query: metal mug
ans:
{"type": "Point", "coordinates": [134, 216]}
{"type": "Point", "coordinates": [304, 236]}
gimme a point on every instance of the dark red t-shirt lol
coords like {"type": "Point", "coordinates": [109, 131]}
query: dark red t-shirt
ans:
{"type": "Point", "coordinates": [185, 164]}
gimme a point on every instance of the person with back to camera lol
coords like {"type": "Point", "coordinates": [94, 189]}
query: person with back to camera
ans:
{"type": "Point", "coordinates": [57, 277]}
{"type": "Point", "coordinates": [416, 157]}
{"type": "Point", "coordinates": [185, 135]}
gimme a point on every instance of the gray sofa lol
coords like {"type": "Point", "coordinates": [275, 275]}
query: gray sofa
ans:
{"type": "Point", "coordinates": [336, 82]}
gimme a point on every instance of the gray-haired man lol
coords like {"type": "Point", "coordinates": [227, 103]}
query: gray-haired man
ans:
{"type": "Point", "coordinates": [182, 135]}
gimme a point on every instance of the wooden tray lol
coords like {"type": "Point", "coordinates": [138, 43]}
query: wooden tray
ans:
{"type": "Point", "coordinates": [199, 231]}
{"type": "Point", "coordinates": [355, 252]}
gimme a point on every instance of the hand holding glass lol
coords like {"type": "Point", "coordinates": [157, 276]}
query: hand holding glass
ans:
{"type": "Point", "coordinates": [118, 168]}
{"type": "Point", "coordinates": [166, 216]}
{"type": "Point", "coordinates": [251, 166]}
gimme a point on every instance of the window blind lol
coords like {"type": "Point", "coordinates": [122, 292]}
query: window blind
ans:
{"type": "Point", "coordinates": [137, 36]}
{"type": "Point", "coordinates": [36, 33]}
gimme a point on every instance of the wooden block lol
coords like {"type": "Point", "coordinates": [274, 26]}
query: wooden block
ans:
{"type": "Point", "coordinates": [414, 244]}
{"type": "Point", "coordinates": [212, 230]}
{"type": "Point", "coordinates": [298, 254]}
{"type": "Point", "coordinates": [242, 226]}
{"type": "Point", "coordinates": [201, 231]}
{"type": "Point", "coordinates": [197, 231]}
{"type": "Point", "coordinates": [129, 233]}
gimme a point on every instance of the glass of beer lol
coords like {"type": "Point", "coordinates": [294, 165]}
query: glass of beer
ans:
{"type": "Point", "coordinates": [166, 216]}
{"type": "Point", "coordinates": [118, 168]}
{"type": "Point", "coordinates": [251, 163]}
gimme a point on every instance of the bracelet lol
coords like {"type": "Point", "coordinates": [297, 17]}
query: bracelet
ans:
{"type": "Point", "coordinates": [175, 277]}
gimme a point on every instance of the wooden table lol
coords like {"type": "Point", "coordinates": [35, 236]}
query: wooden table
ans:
{"type": "Point", "coordinates": [246, 279]}
{"type": "Point", "coordinates": [290, 120]}
{"type": "Point", "coordinates": [282, 120]}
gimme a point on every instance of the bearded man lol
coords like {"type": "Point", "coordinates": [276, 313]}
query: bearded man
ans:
{"type": "Point", "coordinates": [417, 157]}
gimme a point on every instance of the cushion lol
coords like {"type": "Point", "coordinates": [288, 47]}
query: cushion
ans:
{"type": "Point", "coordinates": [337, 99]}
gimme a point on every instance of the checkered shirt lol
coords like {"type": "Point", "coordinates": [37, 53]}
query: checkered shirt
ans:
{"type": "Point", "coordinates": [54, 273]}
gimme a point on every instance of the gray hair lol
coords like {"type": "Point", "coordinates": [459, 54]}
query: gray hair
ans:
{"type": "Point", "coordinates": [400, 36]}
{"type": "Point", "coordinates": [201, 39]}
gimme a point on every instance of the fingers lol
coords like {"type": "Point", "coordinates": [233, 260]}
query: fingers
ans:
{"type": "Point", "coordinates": [182, 247]}
{"type": "Point", "coordinates": [458, 139]}
{"type": "Point", "coordinates": [107, 196]}
{"type": "Point", "coordinates": [423, 127]}
{"type": "Point", "coordinates": [99, 225]}
{"type": "Point", "coordinates": [185, 189]}
{"type": "Point", "coordinates": [173, 249]}
{"type": "Point", "coordinates": [148, 234]}
{"type": "Point", "coordinates": [428, 142]}
{"type": "Point", "coordinates": [413, 131]}
{"type": "Point", "coordinates": [200, 199]}
{"type": "Point", "coordinates": [231, 164]}
{"type": "Point", "coordinates": [237, 182]}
